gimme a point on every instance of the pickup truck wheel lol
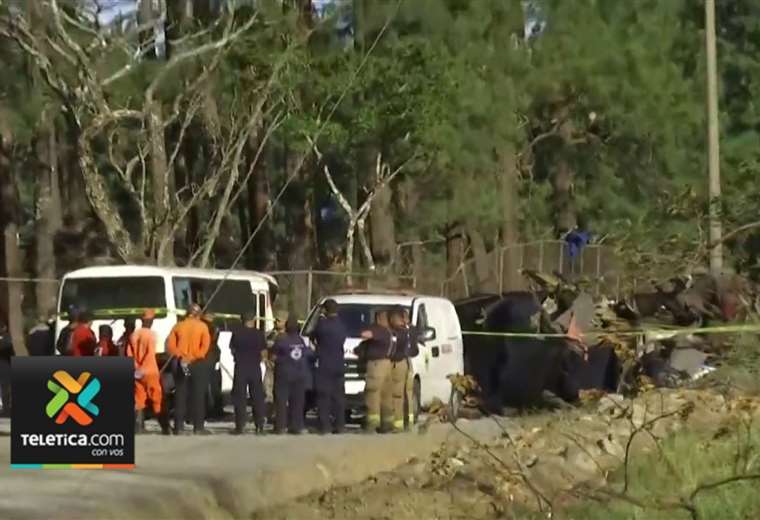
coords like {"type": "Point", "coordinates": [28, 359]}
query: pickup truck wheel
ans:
{"type": "Point", "coordinates": [455, 404]}
{"type": "Point", "coordinates": [414, 405]}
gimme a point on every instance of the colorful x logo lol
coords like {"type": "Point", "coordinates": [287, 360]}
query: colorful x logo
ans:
{"type": "Point", "coordinates": [67, 386]}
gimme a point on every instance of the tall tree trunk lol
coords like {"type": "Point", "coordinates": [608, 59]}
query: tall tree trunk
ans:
{"type": "Point", "coordinates": [411, 256]}
{"type": "Point", "coordinates": [455, 256]}
{"type": "Point", "coordinates": [47, 216]}
{"type": "Point", "coordinates": [75, 205]}
{"type": "Point", "coordinates": [510, 231]}
{"type": "Point", "coordinates": [260, 255]}
{"type": "Point", "coordinates": [9, 222]}
{"type": "Point", "coordinates": [301, 243]}
{"type": "Point", "coordinates": [145, 15]}
{"type": "Point", "coordinates": [480, 256]}
{"type": "Point", "coordinates": [382, 227]}
{"type": "Point", "coordinates": [160, 180]}
{"type": "Point", "coordinates": [179, 18]}
{"type": "Point", "coordinates": [565, 217]}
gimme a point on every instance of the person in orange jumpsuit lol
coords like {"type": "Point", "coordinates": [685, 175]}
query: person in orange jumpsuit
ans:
{"type": "Point", "coordinates": [83, 342]}
{"type": "Point", "coordinates": [189, 343]}
{"type": "Point", "coordinates": [142, 348]}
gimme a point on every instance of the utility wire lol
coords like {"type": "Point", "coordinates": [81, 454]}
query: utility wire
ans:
{"type": "Point", "coordinates": [302, 160]}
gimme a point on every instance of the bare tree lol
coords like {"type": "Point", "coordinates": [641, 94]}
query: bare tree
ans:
{"type": "Point", "coordinates": [358, 217]}
{"type": "Point", "coordinates": [75, 59]}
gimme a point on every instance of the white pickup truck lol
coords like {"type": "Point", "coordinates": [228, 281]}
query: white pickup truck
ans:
{"type": "Point", "coordinates": [442, 353]}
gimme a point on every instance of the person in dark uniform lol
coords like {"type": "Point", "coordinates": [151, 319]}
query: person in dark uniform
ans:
{"type": "Point", "coordinates": [213, 358]}
{"type": "Point", "coordinates": [406, 348]}
{"type": "Point", "coordinates": [40, 339]}
{"type": "Point", "coordinates": [292, 358]}
{"type": "Point", "coordinates": [6, 353]}
{"type": "Point", "coordinates": [374, 353]}
{"type": "Point", "coordinates": [130, 325]}
{"type": "Point", "coordinates": [247, 344]}
{"type": "Point", "coordinates": [329, 337]}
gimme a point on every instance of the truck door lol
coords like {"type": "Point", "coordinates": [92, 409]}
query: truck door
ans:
{"type": "Point", "coordinates": [428, 363]}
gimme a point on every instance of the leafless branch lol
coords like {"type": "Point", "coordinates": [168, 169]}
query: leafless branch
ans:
{"type": "Point", "coordinates": [277, 121]}
{"type": "Point", "coordinates": [229, 36]}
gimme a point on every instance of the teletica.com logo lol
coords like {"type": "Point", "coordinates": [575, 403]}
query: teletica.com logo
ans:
{"type": "Point", "coordinates": [85, 389]}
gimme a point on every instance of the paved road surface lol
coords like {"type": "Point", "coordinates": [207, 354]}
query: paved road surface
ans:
{"type": "Point", "coordinates": [219, 476]}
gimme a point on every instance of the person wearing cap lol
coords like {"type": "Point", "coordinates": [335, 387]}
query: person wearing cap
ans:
{"type": "Point", "coordinates": [246, 345]}
{"type": "Point", "coordinates": [189, 342]}
{"type": "Point", "coordinates": [329, 336]}
{"type": "Point", "coordinates": [142, 348]}
{"type": "Point", "coordinates": [291, 370]}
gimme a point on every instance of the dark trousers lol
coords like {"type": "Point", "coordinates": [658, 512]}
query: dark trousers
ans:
{"type": "Point", "coordinates": [331, 399]}
{"type": "Point", "coordinates": [289, 390]}
{"type": "Point", "coordinates": [248, 380]}
{"type": "Point", "coordinates": [192, 387]}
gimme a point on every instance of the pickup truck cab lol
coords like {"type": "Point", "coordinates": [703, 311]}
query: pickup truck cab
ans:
{"type": "Point", "coordinates": [441, 354]}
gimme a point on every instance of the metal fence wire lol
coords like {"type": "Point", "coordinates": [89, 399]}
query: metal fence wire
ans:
{"type": "Point", "coordinates": [299, 291]}
{"type": "Point", "coordinates": [499, 271]}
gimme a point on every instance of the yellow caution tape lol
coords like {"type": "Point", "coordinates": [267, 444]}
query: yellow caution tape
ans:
{"type": "Point", "coordinates": [668, 332]}
{"type": "Point", "coordinates": [161, 312]}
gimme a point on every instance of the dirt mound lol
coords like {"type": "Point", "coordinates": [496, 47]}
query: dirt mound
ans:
{"type": "Point", "coordinates": [535, 466]}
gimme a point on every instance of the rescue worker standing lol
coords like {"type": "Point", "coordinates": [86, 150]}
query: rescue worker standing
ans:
{"type": "Point", "coordinates": [122, 344]}
{"type": "Point", "coordinates": [329, 337]}
{"type": "Point", "coordinates": [409, 390]}
{"type": "Point", "coordinates": [279, 328]}
{"type": "Point", "coordinates": [290, 373]}
{"type": "Point", "coordinates": [142, 348]}
{"type": "Point", "coordinates": [247, 344]}
{"type": "Point", "coordinates": [6, 353]}
{"type": "Point", "coordinates": [189, 343]}
{"type": "Point", "coordinates": [106, 346]}
{"type": "Point", "coordinates": [406, 348]}
{"type": "Point", "coordinates": [83, 342]}
{"type": "Point", "coordinates": [376, 350]}
{"type": "Point", "coordinates": [40, 338]}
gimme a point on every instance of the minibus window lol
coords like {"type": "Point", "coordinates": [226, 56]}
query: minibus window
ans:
{"type": "Point", "coordinates": [128, 292]}
{"type": "Point", "coordinates": [231, 297]}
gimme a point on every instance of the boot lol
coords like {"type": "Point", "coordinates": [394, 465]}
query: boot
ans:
{"type": "Point", "coordinates": [163, 421]}
{"type": "Point", "coordinates": [139, 421]}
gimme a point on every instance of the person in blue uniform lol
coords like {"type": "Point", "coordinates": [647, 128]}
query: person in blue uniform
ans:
{"type": "Point", "coordinates": [247, 344]}
{"type": "Point", "coordinates": [291, 370]}
{"type": "Point", "coordinates": [329, 337]}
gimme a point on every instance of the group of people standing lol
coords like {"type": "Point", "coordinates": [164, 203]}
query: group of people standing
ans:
{"type": "Point", "coordinates": [386, 351]}
{"type": "Point", "coordinates": [388, 348]}
{"type": "Point", "coordinates": [291, 360]}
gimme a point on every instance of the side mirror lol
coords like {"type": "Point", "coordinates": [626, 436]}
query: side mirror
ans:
{"type": "Point", "coordinates": [428, 334]}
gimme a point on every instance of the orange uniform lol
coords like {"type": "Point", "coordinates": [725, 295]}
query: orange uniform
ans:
{"type": "Point", "coordinates": [142, 347]}
{"type": "Point", "coordinates": [189, 340]}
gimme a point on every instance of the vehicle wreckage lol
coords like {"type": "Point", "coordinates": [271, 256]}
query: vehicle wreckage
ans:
{"type": "Point", "coordinates": [557, 338]}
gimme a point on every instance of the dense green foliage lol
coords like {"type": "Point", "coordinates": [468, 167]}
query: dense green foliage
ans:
{"type": "Point", "coordinates": [601, 112]}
